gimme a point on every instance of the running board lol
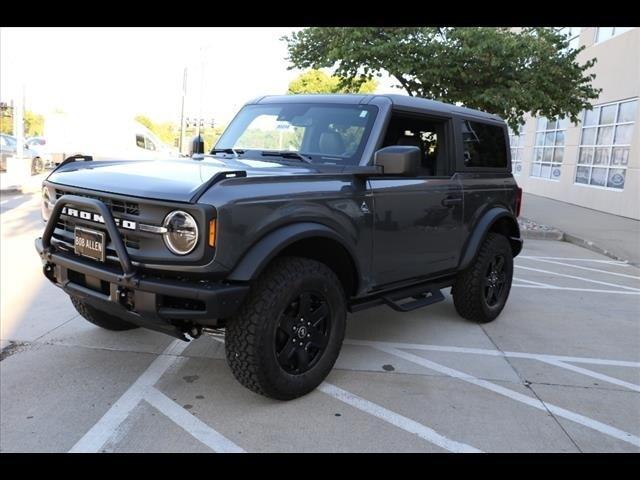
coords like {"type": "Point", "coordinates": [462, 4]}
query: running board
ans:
{"type": "Point", "coordinates": [422, 294]}
{"type": "Point", "coordinates": [420, 300]}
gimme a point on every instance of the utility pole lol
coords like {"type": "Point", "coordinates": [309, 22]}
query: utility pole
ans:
{"type": "Point", "coordinates": [18, 125]}
{"type": "Point", "coordinates": [184, 93]}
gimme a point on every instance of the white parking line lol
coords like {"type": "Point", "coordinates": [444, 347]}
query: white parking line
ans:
{"type": "Point", "coordinates": [494, 353]}
{"type": "Point", "coordinates": [611, 262]}
{"type": "Point", "coordinates": [540, 284]}
{"type": "Point", "coordinates": [519, 397]}
{"type": "Point", "coordinates": [142, 389]}
{"type": "Point", "coordinates": [575, 289]}
{"type": "Point", "coordinates": [578, 278]}
{"type": "Point", "coordinates": [591, 373]}
{"type": "Point", "coordinates": [634, 277]}
{"type": "Point", "coordinates": [396, 419]}
{"type": "Point", "coordinates": [101, 432]}
{"type": "Point", "coordinates": [192, 425]}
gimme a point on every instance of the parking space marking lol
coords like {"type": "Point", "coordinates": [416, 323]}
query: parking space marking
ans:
{"type": "Point", "coordinates": [591, 373]}
{"type": "Point", "coordinates": [519, 397]}
{"type": "Point", "coordinates": [634, 277]}
{"type": "Point", "coordinates": [494, 353]}
{"type": "Point", "coordinates": [396, 419]}
{"type": "Point", "coordinates": [534, 283]}
{"type": "Point", "coordinates": [617, 263]}
{"type": "Point", "coordinates": [575, 289]}
{"type": "Point", "coordinates": [578, 278]}
{"type": "Point", "coordinates": [102, 431]}
{"type": "Point", "coordinates": [192, 425]}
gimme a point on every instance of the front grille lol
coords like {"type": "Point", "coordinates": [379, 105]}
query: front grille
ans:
{"type": "Point", "coordinates": [68, 226]}
{"type": "Point", "coordinates": [116, 206]}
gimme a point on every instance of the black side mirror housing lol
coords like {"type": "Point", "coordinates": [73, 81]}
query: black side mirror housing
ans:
{"type": "Point", "coordinates": [398, 160]}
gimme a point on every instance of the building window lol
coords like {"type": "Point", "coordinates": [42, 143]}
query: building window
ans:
{"type": "Point", "coordinates": [605, 33]}
{"type": "Point", "coordinates": [572, 34]}
{"type": "Point", "coordinates": [603, 156]}
{"type": "Point", "coordinates": [549, 148]}
{"type": "Point", "coordinates": [517, 151]}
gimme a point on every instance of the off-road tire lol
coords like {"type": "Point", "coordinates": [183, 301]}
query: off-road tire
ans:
{"type": "Point", "coordinates": [469, 289]}
{"type": "Point", "coordinates": [101, 319]}
{"type": "Point", "coordinates": [250, 334]}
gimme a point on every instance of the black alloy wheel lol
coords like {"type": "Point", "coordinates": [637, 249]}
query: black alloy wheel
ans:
{"type": "Point", "coordinates": [495, 281]}
{"type": "Point", "coordinates": [303, 332]}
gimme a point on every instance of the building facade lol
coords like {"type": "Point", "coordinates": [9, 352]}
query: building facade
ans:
{"type": "Point", "coordinates": [596, 163]}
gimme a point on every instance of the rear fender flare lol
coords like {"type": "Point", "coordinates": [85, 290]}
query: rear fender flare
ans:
{"type": "Point", "coordinates": [484, 226]}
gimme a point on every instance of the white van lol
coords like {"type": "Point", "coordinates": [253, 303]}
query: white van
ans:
{"type": "Point", "coordinates": [126, 140]}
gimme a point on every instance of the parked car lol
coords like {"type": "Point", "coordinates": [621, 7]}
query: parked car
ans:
{"type": "Point", "coordinates": [8, 148]}
{"type": "Point", "coordinates": [39, 145]}
{"type": "Point", "coordinates": [308, 207]}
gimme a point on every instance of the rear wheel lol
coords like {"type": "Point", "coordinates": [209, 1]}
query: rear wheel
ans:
{"type": "Point", "coordinates": [101, 319]}
{"type": "Point", "coordinates": [37, 166]}
{"type": "Point", "coordinates": [480, 292]}
{"type": "Point", "coordinates": [288, 334]}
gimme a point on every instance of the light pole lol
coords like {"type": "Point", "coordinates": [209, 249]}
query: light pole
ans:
{"type": "Point", "coordinates": [184, 93]}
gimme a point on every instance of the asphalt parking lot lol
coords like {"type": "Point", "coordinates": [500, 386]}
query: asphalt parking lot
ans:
{"type": "Point", "coordinates": [558, 371]}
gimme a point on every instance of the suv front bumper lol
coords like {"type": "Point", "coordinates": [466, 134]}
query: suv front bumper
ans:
{"type": "Point", "coordinates": [163, 304]}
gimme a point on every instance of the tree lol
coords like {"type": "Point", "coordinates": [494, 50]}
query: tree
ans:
{"type": "Point", "coordinates": [316, 81]}
{"type": "Point", "coordinates": [33, 123]}
{"type": "Point", "coordinates": [166, 131]}
{"type": "Point", "coordinates": [497, 70]}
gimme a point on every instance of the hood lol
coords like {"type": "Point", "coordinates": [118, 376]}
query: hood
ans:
{"type": "Point", "coordinates": [173, 180]}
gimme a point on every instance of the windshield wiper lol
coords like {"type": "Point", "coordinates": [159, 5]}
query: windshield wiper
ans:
{"type": "Point", "coordinates": [286, 154]}
{"type": "Point", "coordinates": [234, 151]}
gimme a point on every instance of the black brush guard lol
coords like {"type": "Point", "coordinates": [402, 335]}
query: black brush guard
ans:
{"type": "Point", "coordinates": [133, 296]}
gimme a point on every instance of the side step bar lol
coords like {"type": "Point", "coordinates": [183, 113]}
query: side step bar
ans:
{"type": "Point", "coordinates": [421, 295]}
{"type": "Point", "coordinates": [420, 300]}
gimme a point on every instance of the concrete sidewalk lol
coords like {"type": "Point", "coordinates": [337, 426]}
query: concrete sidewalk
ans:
{"type": "Point", "coordinates": [615, 236]}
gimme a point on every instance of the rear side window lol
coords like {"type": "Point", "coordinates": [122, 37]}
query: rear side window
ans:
{"type": "Point", "coordinates": [483, 145]}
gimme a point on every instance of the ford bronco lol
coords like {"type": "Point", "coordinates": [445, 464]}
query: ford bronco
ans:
{"type": "Point", "coordinates": [307, 208]}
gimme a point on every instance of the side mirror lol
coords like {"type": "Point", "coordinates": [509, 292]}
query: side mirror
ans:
{"type": "Point", "coordinates": [398, 160]}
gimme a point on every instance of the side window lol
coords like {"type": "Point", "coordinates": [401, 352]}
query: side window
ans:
{"type": "Point", "coordinates": [483, 145]}
{"type": "Point", "coordinates": [426, 134]}
{"type": "Point", "coordinates": [140, 141]}
{"type": "Point", "coordinates": [149, 144]}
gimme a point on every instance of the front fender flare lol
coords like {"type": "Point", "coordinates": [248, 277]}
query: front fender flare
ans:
{"type": "Point", "coordinates": [268, 247]}
{"type": "Point", "coordinates": [482, 228]}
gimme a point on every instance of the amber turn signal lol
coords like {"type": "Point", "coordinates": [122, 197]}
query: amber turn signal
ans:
{"type": "Point", "coordinates": [212, 233]}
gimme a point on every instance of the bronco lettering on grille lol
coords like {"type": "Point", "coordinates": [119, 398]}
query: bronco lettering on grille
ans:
{"type": "Point", "coordinates": [94, 217]}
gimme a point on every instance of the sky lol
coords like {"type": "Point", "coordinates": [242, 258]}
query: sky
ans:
{"type": "Point", "coordinates": [122, 72]}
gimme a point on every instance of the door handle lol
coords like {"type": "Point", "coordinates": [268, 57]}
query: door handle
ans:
{"type": "Point", "coordinates": [449, 201]}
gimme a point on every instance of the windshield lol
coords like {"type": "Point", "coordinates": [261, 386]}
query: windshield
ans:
{"type": "Point", "coordinates": [329, 133]}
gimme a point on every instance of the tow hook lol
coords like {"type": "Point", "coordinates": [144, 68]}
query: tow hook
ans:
{"type": "Point", "coordinates": [194, 331]}
{"type": "Point", "coordinates": [125, 298]}
{"type": "Point", "coordinates": [49, 271]}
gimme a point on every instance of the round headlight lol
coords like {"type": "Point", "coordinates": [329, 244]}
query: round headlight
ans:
{"type": "Point", "coordinates": [47, 204]}
{"type": "Point", "coordinates": [181, 236]}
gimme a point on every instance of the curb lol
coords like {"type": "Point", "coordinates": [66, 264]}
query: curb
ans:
{"type": "Point", "coordinates": [558, 235]}
{"type": "Point", "coordinates": [543, 235]}
{"type": "Point", "coordinates": [589, 245]}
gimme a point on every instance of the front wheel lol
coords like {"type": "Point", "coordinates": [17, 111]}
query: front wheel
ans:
{"type": "Point", "coordinates": [481, 291]}
{"type": "Point", "coordinates": [288, 334]}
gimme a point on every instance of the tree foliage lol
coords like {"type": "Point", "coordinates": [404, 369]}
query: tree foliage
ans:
{"type": "Point", "coordinates": [497, 70]}
{"type": "Point", "coordinates": [316, 81]}
{"type": "Point", "coordinates": [33, 124]}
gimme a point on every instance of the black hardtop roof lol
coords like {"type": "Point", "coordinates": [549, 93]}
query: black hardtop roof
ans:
{"type": "Point", "coordinates": [397, 100]}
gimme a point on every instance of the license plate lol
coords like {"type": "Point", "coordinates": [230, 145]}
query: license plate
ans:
{"type": "Point", "coordinates": [89, 243]}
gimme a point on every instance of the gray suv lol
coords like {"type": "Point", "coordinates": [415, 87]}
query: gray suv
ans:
{"type": "Point", "coordinates": [8, 148]}
{"type": "Point", "coordinates": [309, 207]}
